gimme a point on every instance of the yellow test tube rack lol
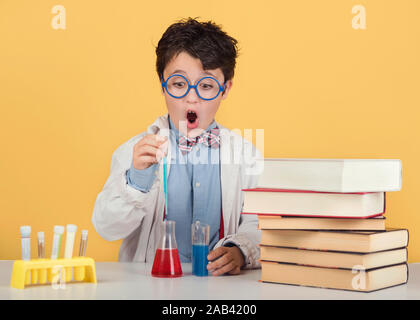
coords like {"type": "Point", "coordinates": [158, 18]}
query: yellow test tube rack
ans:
{"type": "Point", "coordinates": [47, 271]}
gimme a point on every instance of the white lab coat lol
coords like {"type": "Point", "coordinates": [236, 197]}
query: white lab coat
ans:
{"type": "Point", "coordinates": [122, 212]}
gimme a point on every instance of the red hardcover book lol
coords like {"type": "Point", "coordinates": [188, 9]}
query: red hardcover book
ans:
{"type": "Point", "coordinates": [282, 202]}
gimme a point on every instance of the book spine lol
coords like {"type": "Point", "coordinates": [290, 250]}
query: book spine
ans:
{"type": "Point", "coordinates": [300, 191]}
{"type": "Point", "coordinates": [312, 216]}
{"type": "Point", "coordinates": [408, 238]}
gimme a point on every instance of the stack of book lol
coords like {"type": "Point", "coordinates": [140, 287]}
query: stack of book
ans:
{"type": "Point", "coordinates": [323, 223]}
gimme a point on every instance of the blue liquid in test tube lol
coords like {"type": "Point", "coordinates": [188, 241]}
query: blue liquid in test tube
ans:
{"type": "Point", "coordinates": [200, 248]}
{"type": "Point", "coordinates": [199, 263]}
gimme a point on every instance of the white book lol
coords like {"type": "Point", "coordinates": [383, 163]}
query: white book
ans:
{"type": "Point", "coordinates": [311, 203]}
{"type": "Point", "coordinates": [332, 175]}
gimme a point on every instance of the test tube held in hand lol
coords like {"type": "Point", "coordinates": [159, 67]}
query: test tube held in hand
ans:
{"type": "Point", "coordinates": [165, 186]}
{"type": "Point", "coordinates": [58, 233]}
{"type": "Point", "coordinates": [83, 243]}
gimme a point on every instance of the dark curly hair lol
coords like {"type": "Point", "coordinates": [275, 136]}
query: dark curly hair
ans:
{"type": "Point", "coordinates": [203, 40]}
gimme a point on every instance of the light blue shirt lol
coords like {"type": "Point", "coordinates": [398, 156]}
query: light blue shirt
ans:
{"type": "Point", "coordinates": [194, 190]}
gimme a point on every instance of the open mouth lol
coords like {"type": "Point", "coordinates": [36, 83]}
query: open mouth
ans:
{"type": "Point", "coordinates": [192, 119]}
{"type": "Point", "coordinates": [191, 116]}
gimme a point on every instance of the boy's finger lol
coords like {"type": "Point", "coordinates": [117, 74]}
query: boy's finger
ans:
{"type": "Point", "coordinates": [148, 139]}
{"type": "Point", "coordinates": [216, 253]}
{"type": "Point", "coordinates": [147, 150]}
{"type": "Point", "coordinates": [164, 147]}
{"type": "Point", "coordinates": [148, 159]}
{"type": "Point", "coordinates": [161, 139]}
{"type": "Point", "coordinates": [223, 260]}
{"type": "Point", "coordinates": [151, 140]}
{"type": "Point", "coordinates": [160, 154]}
{"type": "Point", "coordinates": [226, 268]}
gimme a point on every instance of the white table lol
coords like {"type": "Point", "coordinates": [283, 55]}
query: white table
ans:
{"type": "Point", "coordinates": [133, 281]}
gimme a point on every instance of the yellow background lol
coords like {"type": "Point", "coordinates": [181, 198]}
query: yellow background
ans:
{"type": "Point", "coordinates": [319, 89]}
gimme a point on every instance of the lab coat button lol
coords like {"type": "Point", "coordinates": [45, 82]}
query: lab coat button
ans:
{"type": "Point", "coordinates": [197, 184]}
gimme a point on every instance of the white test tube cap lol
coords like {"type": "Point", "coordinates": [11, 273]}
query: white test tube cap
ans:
{"type": "Point", "coordinates": [71, 228]}
{"type": "Point", "coordinates": [25, 231]}
{"type": "Point", "coordinates": [41, 235]}
{"type": "Point", "coordinates": [59, 229]}
{"type": "Point", "coordinates": [84, 234]}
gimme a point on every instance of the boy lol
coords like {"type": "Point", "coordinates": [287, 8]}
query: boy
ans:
{"type": "Point", "coordinates": [195, 64]}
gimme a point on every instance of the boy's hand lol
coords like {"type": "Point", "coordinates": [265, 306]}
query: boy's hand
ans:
{"type": "Point", "coordinates": [149, 150]}
{"type": "Point", "coordinates": [230, 260]}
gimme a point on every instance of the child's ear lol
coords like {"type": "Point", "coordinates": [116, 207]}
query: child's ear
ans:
{"type": "Point", "coordinates": [161, 86]}
{"type": "Point", "coordinates": [228, 86]}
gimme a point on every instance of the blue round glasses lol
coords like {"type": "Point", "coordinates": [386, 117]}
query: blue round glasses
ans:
{"type": "Point", "coordinates": [178, 86]}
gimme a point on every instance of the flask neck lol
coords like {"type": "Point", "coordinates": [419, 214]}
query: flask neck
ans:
{"type": "Point", "coordinates": [168, 240]}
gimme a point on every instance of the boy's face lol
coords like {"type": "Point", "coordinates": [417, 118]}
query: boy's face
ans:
{"type": "Point", "coordinates": [192, 69]}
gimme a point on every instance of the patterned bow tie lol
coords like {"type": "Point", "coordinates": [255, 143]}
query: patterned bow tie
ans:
{"type": "Point", "coordinates": [210, 139]}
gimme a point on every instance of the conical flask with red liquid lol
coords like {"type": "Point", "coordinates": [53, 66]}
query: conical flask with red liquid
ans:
{"type": "Point", "coordinates": [167, 263]}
